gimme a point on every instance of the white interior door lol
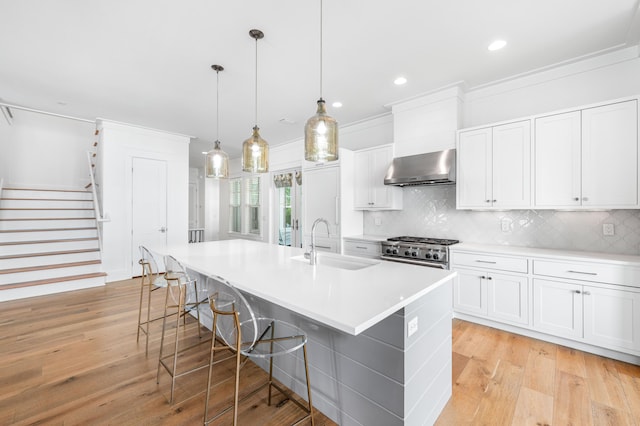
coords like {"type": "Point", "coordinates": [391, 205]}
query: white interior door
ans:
{"type": "Point", "coordinates": [149, 207]}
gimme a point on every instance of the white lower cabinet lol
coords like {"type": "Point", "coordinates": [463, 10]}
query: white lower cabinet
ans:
{"type": "Point", "coordinates": [557, 308]}
{"type": "Point", "coordinates": [589, 301]}
{"type": "Point", "coordinates": [362, 248]}
{"type": "Point", "coordinates": [599, 316]}
{"type": "Point", "coordinates": [502, 297]}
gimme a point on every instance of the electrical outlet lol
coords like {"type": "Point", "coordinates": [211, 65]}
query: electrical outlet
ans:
{"type": "Point", "coordinates": [608, 229]}
{"type": "Point", "coordinates": [412, 326]}
{"type": "Point", "coordinates": [377, 221]}
{"type": "Point", "coordinates": [505, 225]}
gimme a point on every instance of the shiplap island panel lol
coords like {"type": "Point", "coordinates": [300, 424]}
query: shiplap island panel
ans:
{"type": "Point", "coordinates": [364, 367]}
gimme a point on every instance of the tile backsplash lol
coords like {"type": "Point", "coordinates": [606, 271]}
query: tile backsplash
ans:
{"type": "Point", "coordinates": [430, 211]}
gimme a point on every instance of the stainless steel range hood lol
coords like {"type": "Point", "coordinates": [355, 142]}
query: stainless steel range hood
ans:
{"type": "Point", "coordinates": [433, 168]}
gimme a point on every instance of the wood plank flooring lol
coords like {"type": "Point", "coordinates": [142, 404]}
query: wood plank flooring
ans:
{"type": "Point", "coordinates": [72, 359]}
{"type": "Point", "coordinates": [501, 378]}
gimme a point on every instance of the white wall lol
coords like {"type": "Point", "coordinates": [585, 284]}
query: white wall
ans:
{"type": "Point", "coordinates": [601, 78]}
{"type": "Point", "coordinates": [44, 151]}
{"type": "Point", "coordinates": [120, 143]}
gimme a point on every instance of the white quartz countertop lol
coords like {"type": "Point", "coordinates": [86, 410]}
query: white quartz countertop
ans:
{"type": "Point", "coordinates": [582, 256]}
{"type": "Point", "coordinates": [348, 300]}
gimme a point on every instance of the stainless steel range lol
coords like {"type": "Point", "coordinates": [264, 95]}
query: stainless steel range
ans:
{"type": "Point", "coordinates": [433, 252]}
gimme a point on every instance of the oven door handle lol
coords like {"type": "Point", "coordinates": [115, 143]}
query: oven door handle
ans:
{"type": "Point", "coordinates": [414, 262]}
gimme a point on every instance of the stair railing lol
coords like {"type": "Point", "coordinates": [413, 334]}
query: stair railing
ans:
{"type": "Point", "coordinates": [96, 204]}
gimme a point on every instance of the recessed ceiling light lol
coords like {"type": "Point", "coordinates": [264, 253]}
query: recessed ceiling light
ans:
{"type": "Point", "coordinates": [497, 45]}
{"type": "Point", "coordinates": [337, 104]}
{"type": "Point", "coordinates": [399, 81]}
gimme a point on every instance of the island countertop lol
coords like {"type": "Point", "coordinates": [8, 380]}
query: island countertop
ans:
{"type": "Point", "coordinates": [348, 300]}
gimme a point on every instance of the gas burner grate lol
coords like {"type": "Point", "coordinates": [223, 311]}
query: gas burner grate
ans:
{"type": "Point", "coordinates": [424, 240]}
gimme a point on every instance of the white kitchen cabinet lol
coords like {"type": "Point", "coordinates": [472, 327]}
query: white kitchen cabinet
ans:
{"type": "Point", "coordinates": [502, 297]}
{"type": "Point", "coordinates": [587, 158]}
{"type": "Point", "coordinates": [371, 193]}
{"type": "Point", "coordinates": [362, 248]}
{"type": "Point", "coordinates": [494, 167]}
{"type": "Point", "coordinates": [557, 308]}
{"type": "Point", "coordinates": [610, 155]}
{"type": "Point", "coordinates": [606, 317]}
{"type": "Point", "coordinates": [612, 317]}
{"type": "Point", "coordinates": [488, 291]}
{"type": "Point", "coordinates": [558, 164]}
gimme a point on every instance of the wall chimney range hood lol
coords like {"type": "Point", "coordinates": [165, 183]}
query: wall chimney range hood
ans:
{"type": "Point", "coordinates": [433, 168]}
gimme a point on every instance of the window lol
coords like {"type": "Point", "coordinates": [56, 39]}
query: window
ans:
{"type": "Point", "coordinates": [244, 205]}
{"type": "Point", "coordinates": [235, 186]}
{"type": "Point", "coordinates": [252, 203]}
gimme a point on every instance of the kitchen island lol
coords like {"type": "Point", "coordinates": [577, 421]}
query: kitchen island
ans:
{"type": "Point", "coordinates": [379, 332]}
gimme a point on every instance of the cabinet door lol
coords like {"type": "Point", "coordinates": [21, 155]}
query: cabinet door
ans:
{"type": "Point", "coordinates": [610, 155]}
{"type": "Point", "coordinates": [557, 308]}
{"type": "Point", "coordinates": [557, 160]}
{"type": "Point", "coordinates": [612, 318]}
{"type": "Point", "coordinates": [380, 161]}
{"type": "Point", "coordinates": [508, 298]}
{"type": "Point", "coordinates": [320, 189]}
{"type": "Point", "coordinates": [362, 180]}
{"type": "Point", "coordinates": [470, 292]}
{"type": "Point", "coordinates": [511, 181]}
{"type": "Point", "coordinates": [473, 186]}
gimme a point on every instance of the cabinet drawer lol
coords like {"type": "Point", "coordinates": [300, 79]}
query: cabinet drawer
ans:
{"type": "Point", "coordinates": [593, 272]}
{"type": "Point", "coordinates": [488, 261]}
{"type": "Point", "coordinates": [362, 248]}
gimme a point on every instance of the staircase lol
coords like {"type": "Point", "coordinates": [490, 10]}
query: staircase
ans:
{"type": "Point", "coordinates": [48, 242]}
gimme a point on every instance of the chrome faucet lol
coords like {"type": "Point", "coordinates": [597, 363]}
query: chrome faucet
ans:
{"type": "Point", "coordinates": [313, 254]}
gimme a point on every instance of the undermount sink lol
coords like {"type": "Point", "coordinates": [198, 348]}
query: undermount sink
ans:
{"type": "Point", "coordinates": [339, 261]}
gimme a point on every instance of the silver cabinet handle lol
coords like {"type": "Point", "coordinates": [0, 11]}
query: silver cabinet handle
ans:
{"type": "Point", "coordinates": [582, 273]}
{"type": "Point", "coordinates": [487, 201]}
{"type": "Point", "coordinates": [587, 293]}
{"type": "Point", "coordinates": [324, 247]}
{"type": "Point", "coordinates": [576, 199]}
{"type": "Point", "coordinates": [163, 229]}
{"type": "Point", "coordinates": [360, 247]}
{"type": "Point", "coordinates": [482, 277]}
{"type": "Point", "coordinates": [489, 278]}
{"type": "Point", "coordinates": [585, 199]}
{"type": "Point", "coordinates": [494, 201]}
{"type": "Point", "coordinates": [577, 291]}
{"type": "Point", "coordinates": [486, 261]}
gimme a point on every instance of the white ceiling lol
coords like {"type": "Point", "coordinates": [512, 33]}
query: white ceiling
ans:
{"type": "Point", "coordinates": [147, 62]}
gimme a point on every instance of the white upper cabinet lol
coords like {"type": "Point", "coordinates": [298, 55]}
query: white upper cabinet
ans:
{"type": "Point", "coordinates": [370, 191]}
{"type": "Point", "coordinates": [494, 167]}
{"type": "Point", "coordinates": [588, 158]}
{"type": "Point", "coordinates": [610, 155]}
{"type": "Point", "coordinates": [558, 171]}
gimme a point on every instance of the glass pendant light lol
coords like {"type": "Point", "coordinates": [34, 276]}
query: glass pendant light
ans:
{"type": "Point", "coordinates": [321, 131]}
{"type": "Point", "coordinates": [255, 150]}
{"type": "Point", "coordinates": [217, 161]}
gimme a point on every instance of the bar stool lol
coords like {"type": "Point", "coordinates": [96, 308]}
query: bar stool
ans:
{"type": "Point", "coordinates": [184, 299]}
{"type": "Point", "coordinates": [151, 280]}
{"type": "Point", "coordinates": [247, 336]}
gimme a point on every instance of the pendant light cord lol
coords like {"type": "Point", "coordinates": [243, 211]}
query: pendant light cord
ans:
{"type": "Point", "coordinates": [256, 111]}
{"type": "Point", "coordinates": [320, 49]}
{"type": "Point", "coordinates": [217, 105]}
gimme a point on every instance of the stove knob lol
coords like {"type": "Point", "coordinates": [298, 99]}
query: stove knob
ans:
{"type": "Point", "coordinates": [388, 250]}
{"type": "Point", "coordinates": [414, 254]}
{"type": "Point", "coordinates": [436, 256]}
{"type": "Point", "coordinates": [395, 251]}
{"type": "Point", "coordinates": [407, 253]}
{"type": "Point", "coordinates": [427, 256]}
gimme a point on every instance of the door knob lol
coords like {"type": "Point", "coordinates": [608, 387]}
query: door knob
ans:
{"type": "Point", "coordinates": [163, 229]}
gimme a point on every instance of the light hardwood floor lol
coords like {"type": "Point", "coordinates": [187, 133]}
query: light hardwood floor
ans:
{"type": "Point", "coordinates": [72, 359]}
{"type": "Point", "coordinates": [501, 378]}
